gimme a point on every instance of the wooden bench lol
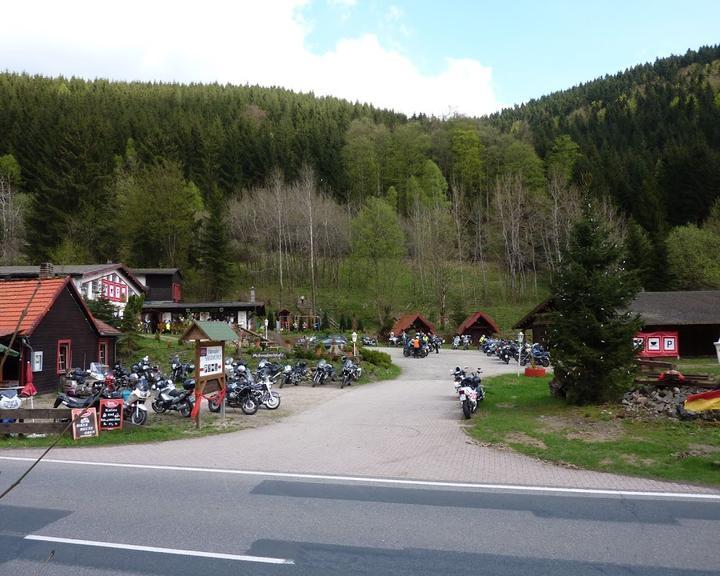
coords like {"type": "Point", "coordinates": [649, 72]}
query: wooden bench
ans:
{"type": "Point", "coordinates": [52, 420]}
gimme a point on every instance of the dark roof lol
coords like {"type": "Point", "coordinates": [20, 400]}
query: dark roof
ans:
{"type": "Point", "coordinates": [679, 308]}
{"type": "Point", "coordinates": [529, 319]}
{"type": "Point", "coordinates": [159, 271]}
{"type": "Point", "coordinates": [62, 270]}
{"type": "Point", "coordinates": [480, 317]}
{"type": "Point", "coordinates": [182, 306]}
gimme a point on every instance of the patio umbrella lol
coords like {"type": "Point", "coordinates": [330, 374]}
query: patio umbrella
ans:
{"type": "Point", "coordinates": [28, 390]}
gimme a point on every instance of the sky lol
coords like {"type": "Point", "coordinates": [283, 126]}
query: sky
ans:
{"type": "Point", "coordinates": [435, 57]}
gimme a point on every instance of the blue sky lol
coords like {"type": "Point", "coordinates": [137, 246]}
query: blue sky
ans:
{"type": "Point", "coordinates": [533, 48]}
{"type": "Point", "coordinates": [438, 58]}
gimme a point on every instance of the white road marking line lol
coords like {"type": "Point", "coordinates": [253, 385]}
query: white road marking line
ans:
{"type": "Point", "coordinates": [361, 479]}
{"type": "Point", "coordinates": [175, 551]}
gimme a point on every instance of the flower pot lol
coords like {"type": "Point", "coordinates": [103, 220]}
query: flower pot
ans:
{"type": "Point", "coordinates": [534, 372]}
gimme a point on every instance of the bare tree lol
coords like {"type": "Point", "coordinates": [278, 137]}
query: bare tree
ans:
{"type": "Point", "coordinates": [11, 211]}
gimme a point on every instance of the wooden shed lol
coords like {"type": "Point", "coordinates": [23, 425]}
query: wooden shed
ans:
{"type": "Point", "coordinates": [413, 322]}
{"type": "Point", "coordinates": [693, 314]}
{"type": "Point", "coordinates": [55, 331]}
{"type": "Point", "coordinates": [478, 324]}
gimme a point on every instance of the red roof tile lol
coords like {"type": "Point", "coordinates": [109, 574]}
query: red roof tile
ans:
{"type": "Point", "coordinates": [405, 322]}
{"type": "Point", "coordinates": [14, 297]}
{"type": "Point", "coordinates": [470, 320]}
{"type": "Point", "coordinates": [105, 329]}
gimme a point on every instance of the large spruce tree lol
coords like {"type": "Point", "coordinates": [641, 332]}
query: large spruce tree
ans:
{"type": "Point", "coordinates": [592, 330]}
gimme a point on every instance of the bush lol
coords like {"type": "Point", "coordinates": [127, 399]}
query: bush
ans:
{"type": "Point", "coordinates": [376, 357]}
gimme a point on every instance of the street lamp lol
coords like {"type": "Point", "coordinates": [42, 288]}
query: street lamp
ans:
{"type": "Point", "coordinates": [521, 337]}
{"type": "Point", "coordinates": [266, 328]}
{"type": "Point", "coordinates": [354, 339]}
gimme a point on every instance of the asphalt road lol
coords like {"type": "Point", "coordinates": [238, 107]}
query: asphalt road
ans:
{"type": "Point", "coordinates": [328, 526]}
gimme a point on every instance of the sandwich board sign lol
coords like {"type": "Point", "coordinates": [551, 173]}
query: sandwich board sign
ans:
{"type": "Point", "coordinates": [84, 423]}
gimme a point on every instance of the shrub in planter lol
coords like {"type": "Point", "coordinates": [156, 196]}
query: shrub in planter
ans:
{"type": "Point", "coordinates": [376, 357]}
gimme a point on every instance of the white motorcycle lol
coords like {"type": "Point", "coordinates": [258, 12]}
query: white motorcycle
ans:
{"type": "Point", "coordinates": [471, 393]}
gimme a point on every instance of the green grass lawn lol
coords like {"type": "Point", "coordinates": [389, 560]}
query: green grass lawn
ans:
{"type": "Point", "coordinates": [521, 414]}
{"type": "Point", "coordinates": [704, 364]}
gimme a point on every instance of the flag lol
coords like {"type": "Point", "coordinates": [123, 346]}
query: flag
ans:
{"type": "Point", "coordinates": [703, 402]}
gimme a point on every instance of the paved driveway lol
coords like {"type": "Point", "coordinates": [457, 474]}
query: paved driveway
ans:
{"type": "Point", "coordinates": [409, 428]}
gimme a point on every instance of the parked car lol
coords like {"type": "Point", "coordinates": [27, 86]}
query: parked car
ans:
{"type": "Point", "coordinates": [339, 340]}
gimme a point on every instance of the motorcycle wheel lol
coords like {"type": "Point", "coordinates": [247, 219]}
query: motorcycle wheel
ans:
{"type": "Point", "coordinates": [523, 361]}
{"type": "Point", "coordinates": [273, 402]}
{"type": "Point", "coordinates": [158, 407]}
{"type": "Point", "coordinates": [545, 362]}
{"type": "Point", "coordinates": [345, 381]}
{"type": "Point", "coordinates": [138, 417]}
{"type": "Point", "coordinates": [214, 405]}
{"type": "Point", "coordinates": [248, 406]}
{"type": "Point", "coordinates": [467, 409]}
{"type": "Point", "coordinates": [185, 409]}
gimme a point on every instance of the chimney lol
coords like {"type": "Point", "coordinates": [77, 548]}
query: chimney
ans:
{"type": "Point", "coordinates": [47, 270]}
{"type": "Point", "coordinates": [252, 294]}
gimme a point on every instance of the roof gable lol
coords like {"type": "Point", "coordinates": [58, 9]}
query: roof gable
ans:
{"type": "Point", "coordinates": [478, 316]}
{"type": "Point", "coordinates": [15, 295]}
{"type": "Point", "coordinates": [405, 322]}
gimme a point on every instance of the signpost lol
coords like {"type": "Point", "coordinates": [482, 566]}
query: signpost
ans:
{"type": "Point", "coordinates": [209, 338]}
{"type": "Point", "coordinates": [84, 426]}
{"type": "Point", "coordinates": [111, 414]}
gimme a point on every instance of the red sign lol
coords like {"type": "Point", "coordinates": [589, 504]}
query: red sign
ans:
{"type": "Point", "coordinates": [111, 414]}
{"type": "Point", "coordinates": [84, 423]}
{"type": "Point", "coordinates": [658, 344]}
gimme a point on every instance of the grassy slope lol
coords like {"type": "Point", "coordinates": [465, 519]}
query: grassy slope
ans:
{"type": "Point", "coordinates": [353, 296]}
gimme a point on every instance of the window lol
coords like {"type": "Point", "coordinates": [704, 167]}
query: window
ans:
{"type": "Point", "coordinates": [176, 292]}
{"type": "Point", "coordinates": [103, 348]}
{"type": "Point", "coordinates": [64, 356]}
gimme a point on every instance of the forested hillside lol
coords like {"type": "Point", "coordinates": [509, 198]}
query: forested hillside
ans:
{"type": "Point", "coordinates": [241, 185]}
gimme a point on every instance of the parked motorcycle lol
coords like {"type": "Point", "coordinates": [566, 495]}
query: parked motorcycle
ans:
{"type": "Point", "coordinates": [350, 372]}
{"type": "Point", "coordinates": [368, 341]}
{"type": "Point", "coordinates": [471, 392]}
{"type": "Point", "coordinates": [181, 371]}
{"type": "Point", "coordinates": [170, 398]}
{"type": "Point", "coordinates": [294, 374]}
{"type": "Point", "coordinates": [324, 371]}
{"type": "Point", "coordinates": [81, 383]}
{"type": "Point", "coordinates": [238, 394]}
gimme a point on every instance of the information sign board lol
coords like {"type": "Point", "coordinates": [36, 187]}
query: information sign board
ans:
{"type": "Point", "coordinates": [211, 361]}
{"type": "Point", "coordinates": [111, 414]}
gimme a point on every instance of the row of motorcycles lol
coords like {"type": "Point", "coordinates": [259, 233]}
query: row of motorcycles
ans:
{"type": "Point", "coordinates": [507, 350]}
{"type": "Point", "coordinates": [469, 389]}
{"type": "Point", "coordinates": [85, 388]}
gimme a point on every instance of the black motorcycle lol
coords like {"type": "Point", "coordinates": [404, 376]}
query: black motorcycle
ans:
{"type": "Point", "coordinates": [293, 375]}
{"type": "Point", "coordinates": [324, 371]}
{"type": "Point", "coordinates": [238, 394]}
{"type": "Point", "coordinates": [350, 372]}
{"type": "Point", "coordinates": [180, 371]}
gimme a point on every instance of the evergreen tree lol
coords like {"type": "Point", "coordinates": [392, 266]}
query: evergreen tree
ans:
{"type": "Point", "coordinates": [325, 321]}
{"type": "Point", "coordinates": [215, 253]}
{"type": "Point", "coordinates": [592, 331]}
{"type": "Point", "coordinates": [103, 310]}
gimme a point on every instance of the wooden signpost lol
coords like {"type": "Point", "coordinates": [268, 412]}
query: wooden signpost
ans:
{"type": "Point", "coordinates": [84, 423]}
{"type": "Point", "coordinates": [209, 338]}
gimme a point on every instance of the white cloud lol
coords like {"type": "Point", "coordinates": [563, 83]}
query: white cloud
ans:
{"type": "Point", "coordinates": [229, 42]}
